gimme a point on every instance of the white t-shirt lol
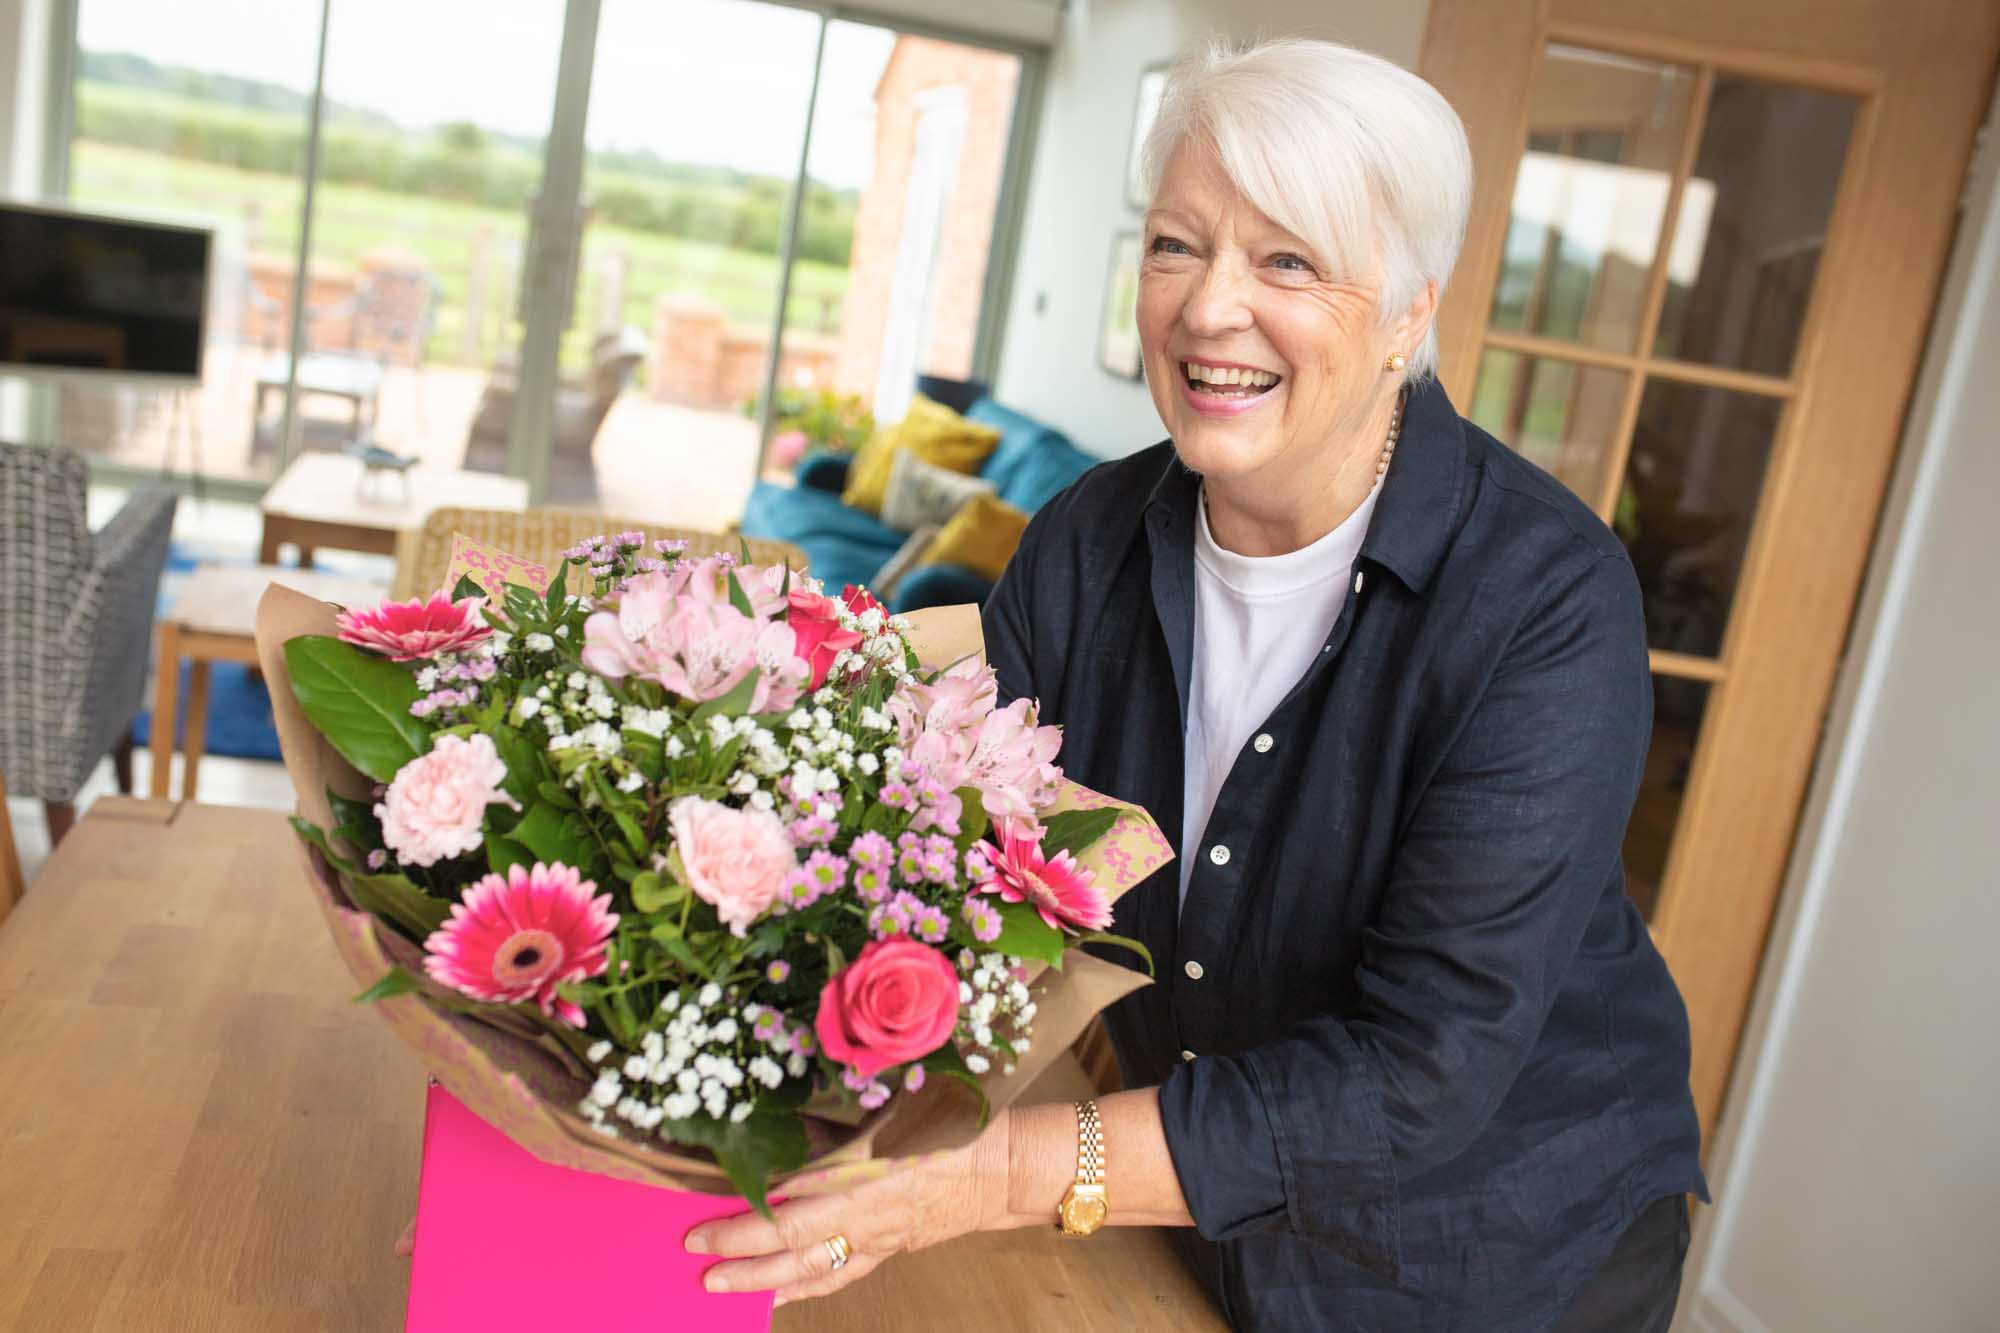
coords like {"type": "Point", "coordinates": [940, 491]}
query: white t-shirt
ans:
{"type": "Point", "coordinates": [1258, 623]}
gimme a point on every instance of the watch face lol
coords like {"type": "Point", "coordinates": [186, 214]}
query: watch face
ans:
{"type": "Point", "coordinates": [1084, 1212]}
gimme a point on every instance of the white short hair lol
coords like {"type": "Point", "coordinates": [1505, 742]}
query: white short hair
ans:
{"type": "Point", "coordinates": [1349, 152]}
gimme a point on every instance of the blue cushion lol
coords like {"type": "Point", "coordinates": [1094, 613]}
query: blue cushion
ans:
{"type": "Point", "coordinates": [824, 470]}
{"type": "Point", "coordinates": [938, 585]}
{"type": "Point", "coordinates": [1032, 462]}
{"type": "Point", "coordinates": [843, 545]}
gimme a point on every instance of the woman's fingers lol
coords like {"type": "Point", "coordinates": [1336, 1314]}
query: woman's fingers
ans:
{"type": "Point", "coordinates": [860, 1266]}
{"type": "Point", "coordinates": [790, 1226]}
{"type": "Point", "coordinates": [778, 1270]}
{"type": "Point", "coordinates": [406, 1244]}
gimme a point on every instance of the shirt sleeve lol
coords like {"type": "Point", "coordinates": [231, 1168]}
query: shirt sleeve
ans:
{"type": "Point", "coordinates": [1508, 851]}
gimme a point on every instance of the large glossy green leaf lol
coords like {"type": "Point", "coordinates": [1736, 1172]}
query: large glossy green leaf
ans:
{"type": "Point", "coordinates": [467, 586]}
{"type": "Point", "coordinates": [394, 982]}
{"type": "Point", "coordinates": [397, 900]}
{"type": "Point", "coordinates": [523, 758]}
{"type": "Point", "coordinates": [1074, 830]}
{"type": "Point", "coordinates": [360, 703]}
{"type": "Point", "coordinates": [544, 832]}
{"type": "Point", "coordinates": [1023, 934]}
{"type": "Point", "coordinates": [750, 1153]}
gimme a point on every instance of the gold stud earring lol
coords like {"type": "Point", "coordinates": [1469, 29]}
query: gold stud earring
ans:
{"type": "Point", "coordinates": [1396, 361]}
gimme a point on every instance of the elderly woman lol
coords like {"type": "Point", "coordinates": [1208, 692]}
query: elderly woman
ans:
{"type": "Point", "coordinates": [1412, 1061]}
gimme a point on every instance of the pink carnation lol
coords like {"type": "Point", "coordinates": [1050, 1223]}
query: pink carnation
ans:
{"type": "Point", "coordinates": [434, 809]}
{"type": "Point", "coordinates": [407, 631]}
{"type": "Point", "coordinates": [519, 937]}
{"type": "Point", "coordinates": [736, 861]}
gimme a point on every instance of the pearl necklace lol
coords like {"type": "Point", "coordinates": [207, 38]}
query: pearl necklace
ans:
{"type": "Point", "coordinates": [1395, 433]}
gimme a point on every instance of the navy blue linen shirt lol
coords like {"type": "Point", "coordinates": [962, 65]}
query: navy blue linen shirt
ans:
{"type": "Point", "coordinates": [1419, 1061]}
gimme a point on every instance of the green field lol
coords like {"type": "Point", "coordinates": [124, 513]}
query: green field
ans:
{"type": "Point", "coordinates": [454, 238]}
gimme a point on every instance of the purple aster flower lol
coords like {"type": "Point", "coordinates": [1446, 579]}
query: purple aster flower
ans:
{"type": "Point", "coordinates": [778, 971]}
{"type": "Point", "coordinates": [872, 850]}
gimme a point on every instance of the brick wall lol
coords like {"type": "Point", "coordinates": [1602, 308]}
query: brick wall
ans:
{"type": "Point", "coordinates": [697, 360]}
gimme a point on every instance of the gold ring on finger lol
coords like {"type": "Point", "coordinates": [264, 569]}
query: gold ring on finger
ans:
{"type": "Point", "coordinates": [838, 1251]}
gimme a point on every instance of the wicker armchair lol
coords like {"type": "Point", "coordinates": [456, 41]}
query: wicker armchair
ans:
{"type": "Point", "coordinates": [79, 622]}
{"type": "Point", "coordinates": [542, 535]}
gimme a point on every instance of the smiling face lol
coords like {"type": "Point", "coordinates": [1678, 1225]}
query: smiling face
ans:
{"type": "Point", "coordinates": [1266, 368]}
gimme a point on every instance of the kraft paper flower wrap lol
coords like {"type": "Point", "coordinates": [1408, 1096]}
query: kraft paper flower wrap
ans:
{"type": "Point", "coordinates": [527, 1081]}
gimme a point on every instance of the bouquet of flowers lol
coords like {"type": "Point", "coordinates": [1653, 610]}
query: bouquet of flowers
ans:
{"type": "Point", "coordinates": [682, 870]}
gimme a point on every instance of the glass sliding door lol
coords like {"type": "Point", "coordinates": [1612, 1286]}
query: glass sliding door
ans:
{"type": "Point", "coordinates": [435, 130]}
{"type": "Point", "coordinates": [195, 112]}
{"type": "Point", "coordinates": [909, 153]}
{"type": "Point", "coordinates": [697, 119]}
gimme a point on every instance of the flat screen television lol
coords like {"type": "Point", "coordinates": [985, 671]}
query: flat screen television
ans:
{"type": "Point", "coordinates": [86, 293]}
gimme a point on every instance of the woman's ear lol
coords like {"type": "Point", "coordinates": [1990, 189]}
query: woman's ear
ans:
{"type": "Point", "coordinates": [1416, 320]}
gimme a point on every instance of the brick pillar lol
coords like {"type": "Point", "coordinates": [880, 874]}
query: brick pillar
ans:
{"type": "Point", "coordinates": [685, 362]}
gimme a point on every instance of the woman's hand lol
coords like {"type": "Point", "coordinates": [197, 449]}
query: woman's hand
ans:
{"type": "Point", "coordinates": [918, 1205]}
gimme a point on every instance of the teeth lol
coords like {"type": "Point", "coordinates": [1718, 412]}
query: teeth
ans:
{"type": "Point", "coordinates": [1224, 378]}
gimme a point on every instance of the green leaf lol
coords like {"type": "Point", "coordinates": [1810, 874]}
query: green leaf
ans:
{"type": "Point", "coordinates": [635, 837]}
{"type": "Point", "coordinates": [1122, 941]}
{"type": "Point", "coordinates": [1024, 934]}
{"type": "Point", "coordinates": [749, 1153]}
{"type": "Point", "coordinates": [739, 598]}
{"type": "Point", "coordinates": [503, 852]}
{"type": "Point", "coordinates": [396, 899]}
{"type": "Point", "coordinates": [312, 833]}
{"type": "Point", "coordinates": [394, 982]}
{"type": "Point", "coordinates": [647, 753]}
{"type": "Point", "coordinates": [1074, 830]}
{"type": "Point", "coordinates": [522, 605]}
{"type": "Point", "coordinates": [556, 795]}
{"type": "Point", "coordinates": [733, 704]}
{"type": "Point", "coordinates": [881, 818]}
{"type": "Point", "coordinates": [947, 1060]}
{"type": "Point", "coordinates": [836, 961]}
{"type": "Point", "coordinates": [359, 702]}
{"type": "Point", "coordinates": [352, 819]}
{"type": "Point", "coordinates": [559, 588]}
{"type": "Point", "coordinates": [650, 893]}
{"type": "Point", "coordinates": [467, 586]}
{"type": "Point", "coordinates": [544, 831]}
{"type": "Point", "coordinates": [972, 821]}
{"type": "Point", "coordinates": [524, 763]}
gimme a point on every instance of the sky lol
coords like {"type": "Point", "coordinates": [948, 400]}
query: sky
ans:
{"type": "Point", "coordinates": [708, 81]}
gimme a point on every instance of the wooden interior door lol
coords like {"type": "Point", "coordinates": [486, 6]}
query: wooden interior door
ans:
{"type": "Point", "coordinates": [1705, 244]}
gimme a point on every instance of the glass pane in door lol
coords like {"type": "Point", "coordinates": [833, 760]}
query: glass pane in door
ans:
{"type": "Point", "coordinates": [195, 113]}
{"type": "Point", "coordinates": [1590, 196]}
{"type": "Point", "coordinates": [909, 150]}
{"type": "Point", "coordinates": [1559, 415]}
{"type": "Point", "coordinates": [1678, 706]}
{"type": "Point", "coordinates": [697, 115]}
{"type": "Point", "coordinates": [1752, 224]}
{"type": "Point", "coordinates": [419, 216]}
{"type": "Point", "coordinates": [1690, 496]}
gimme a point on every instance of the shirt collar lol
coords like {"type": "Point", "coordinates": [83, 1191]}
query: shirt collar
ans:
{"type": "Point", "coordinates": [1415, 514]}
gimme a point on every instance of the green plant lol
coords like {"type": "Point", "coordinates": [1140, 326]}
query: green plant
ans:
{"type": "Point", "coordinates": [829, 420]}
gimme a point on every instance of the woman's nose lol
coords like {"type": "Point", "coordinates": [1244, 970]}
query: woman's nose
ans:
{"type": "Point", "coordinates": [1218, 303]}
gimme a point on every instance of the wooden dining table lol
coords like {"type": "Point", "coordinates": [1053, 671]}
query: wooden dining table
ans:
{"type": "Point", "coordinates": [199, 1130]}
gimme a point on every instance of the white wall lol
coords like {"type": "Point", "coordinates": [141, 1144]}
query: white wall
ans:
{"type": "Point", "coordinates": [1048, 363]}
{"type": "Point", "coordinates": [24, 46]}
{"type": "Point", "coordinates": [1857, 1177]}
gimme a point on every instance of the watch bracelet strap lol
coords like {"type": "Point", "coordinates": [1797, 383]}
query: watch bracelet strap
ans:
{"type": "Point", "coordinates": [1090, 1156]}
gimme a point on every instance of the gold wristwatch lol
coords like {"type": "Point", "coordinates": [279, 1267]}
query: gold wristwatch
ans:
{"type": "Point", "coordinates": [1086, 1204]}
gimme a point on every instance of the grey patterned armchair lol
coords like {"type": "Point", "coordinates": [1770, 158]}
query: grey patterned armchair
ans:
{"type": "Point", "coordinates": [76, 624]}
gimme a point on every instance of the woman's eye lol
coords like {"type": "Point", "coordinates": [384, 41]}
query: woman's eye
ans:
{"type": "Point", "coordinates": [1293, 264]}
{"type": "Point", "coordinates": [1167, 245]}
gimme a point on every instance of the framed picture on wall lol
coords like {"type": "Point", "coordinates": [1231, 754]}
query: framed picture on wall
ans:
{"type": "Point", "coordinates": [1118, 340]}
{"type": "Point", "coordinates": [1152, 84]}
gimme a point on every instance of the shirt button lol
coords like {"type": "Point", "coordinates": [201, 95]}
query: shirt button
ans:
{"type": "Point", "coordinates": [1187, 1055]}
{"type": "Point", "coordinates": [1263, 742]}
{"type": "Point", "coordinates": [1219, 854]}
{"type": "Point", "coordinates": [1193, 970]}
{"type": "Point", "coordinates": [1357, 580]}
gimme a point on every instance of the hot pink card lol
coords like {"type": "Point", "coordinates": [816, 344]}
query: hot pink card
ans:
{"type": "Point", "coordinates": [506, 1241]}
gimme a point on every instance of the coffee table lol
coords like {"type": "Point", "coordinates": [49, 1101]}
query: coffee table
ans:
{"type": "Point", "coordinates": [201, 1130]}
{"type": "Point", "coordinates": [331, 500]}
{"type": "Point", "coordinates": [213, 620]}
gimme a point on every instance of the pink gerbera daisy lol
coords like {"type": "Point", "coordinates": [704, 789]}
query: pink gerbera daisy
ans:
{"type": "Point", "coordinates": [406, 631]}
{"type": "Point", "coordinates": [1061, 890]}
{"type": "Point", "coordinates": [519, 937]}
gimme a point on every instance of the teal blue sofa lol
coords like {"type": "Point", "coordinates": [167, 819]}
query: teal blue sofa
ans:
{"type": "Point", "coordinates": [843, 545]}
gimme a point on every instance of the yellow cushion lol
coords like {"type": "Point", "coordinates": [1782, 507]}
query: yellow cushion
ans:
{"type": "Point", "coordinates": [981, 536]}
{"type": "Point", "coordinates": [932, 432]}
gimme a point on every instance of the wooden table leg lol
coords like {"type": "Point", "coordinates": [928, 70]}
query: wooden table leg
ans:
{"type": "Point", "coordinates": [197, 725]}
{"type": "Point", "coordinates": [267, 549]}
{"type": "Point", "coordinates": [12, 884]}
{"type": "Point", "coordinates": [166, 696]}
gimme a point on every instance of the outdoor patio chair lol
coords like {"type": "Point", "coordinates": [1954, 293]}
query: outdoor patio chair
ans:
{"type": "Point", "coordinates": [79, 624]}
{"type": "Point", "coordinates": [582, 403]}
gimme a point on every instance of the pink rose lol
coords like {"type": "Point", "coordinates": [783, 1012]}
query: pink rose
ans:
{"type": "Point", "coordinates": [434, 808]}
{"type": "Point", "coordinates": [896, 1002]}
{"type": "Point", "coordinates": [735, 860]}
{"type": "Point", "coordinates": [815, 622]}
